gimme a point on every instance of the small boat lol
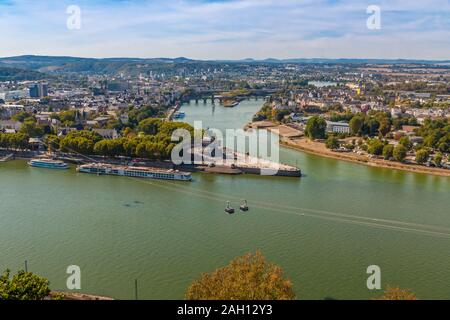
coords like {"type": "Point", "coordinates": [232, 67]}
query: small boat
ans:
{"type": "Point", "coordinates": [230, 104]}
{"type": "Point", "coordinates": [244, 207]}
{"type": "Point", "coordinates": [48, 164]}
{"type": "Point", "coordinates": [229, 209]}
{"type": "Point", "coordinates": [179, 115]}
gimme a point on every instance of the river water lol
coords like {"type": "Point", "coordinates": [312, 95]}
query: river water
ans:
{"type": "Point", "coordinates": [324, 229]}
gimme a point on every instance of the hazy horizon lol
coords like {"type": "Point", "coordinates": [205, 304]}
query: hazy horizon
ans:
{"type": "Point", "coordinates": [224, 59]}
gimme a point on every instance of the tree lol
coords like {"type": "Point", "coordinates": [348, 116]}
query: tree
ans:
{"type": "Point", "coordinates": [385, 127]}
{"type": "Point", "coordinates": [332, 142]}
{"type": "Point", "coordinates": [400, 153]}
{"type": "Point", "coordinates": [80, 142]}
{"type": "Point", "coordinates": [375, 147]}
{"type": "Point", "coordinates": [395, 293]}
{"type": "Point", "coordinates": [21, 116]}
{"type": "Point", "coordinates": [249, 277]}
{"type": "Point", "coordinates": [23, 286]}
{"type": "Point", "coordinates": [52, 142]}
{"type": "Point", "coordinates": [14, 141]}
{"type": "Point", "coordinates": [149, 126]}
{"type": "Point", "coordinates": [388, 151]}
{"type": "Point", "coordinates": [68, 117]}
{"type": "Point", "coordinates": [371, 126]}
{"type": "Point", "coordinates": [404, 141]}
{"type": "Point", "coordinates": [438, 159]}
{"type": "Point", "coordinates": [30, 128]}
{"type": "Point", "coordinates": [279, 115]}
{"type": "Point", "coordinates": [316, 128]}
{"type": "Point", "coordinates": [356, 124]}
{"type": "Point", "coordinates": [444, 143]}
{"type": "Point", "coordinates": [422, 156]}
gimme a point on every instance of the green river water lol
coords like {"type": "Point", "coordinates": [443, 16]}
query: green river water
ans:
{"type": "Point", "coordinates": [324, 229]}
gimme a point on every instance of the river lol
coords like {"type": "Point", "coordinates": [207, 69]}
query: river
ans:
{"type": "Point", "coordinates": [324, 229]}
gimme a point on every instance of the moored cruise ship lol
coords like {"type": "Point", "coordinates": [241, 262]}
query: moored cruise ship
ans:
{"type": "Point", "coordinates": [48, 164]}
{"type": "Point", "coordinates": [136, 172]}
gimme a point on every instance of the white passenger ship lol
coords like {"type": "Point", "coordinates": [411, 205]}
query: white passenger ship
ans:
{"type": "Point", "coordinates": [136, 172]}
{"type": "Point", "coordinates": [48, 164]}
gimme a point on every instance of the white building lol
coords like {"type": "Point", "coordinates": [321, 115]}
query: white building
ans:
{"type": "Point", "coordinates": [338, 127]}
{"type": "Point", "coordinates": [10, 125]}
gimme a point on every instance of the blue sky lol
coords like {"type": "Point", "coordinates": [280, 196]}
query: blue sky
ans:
{"type": "Point", "coordinates": [227, 29]}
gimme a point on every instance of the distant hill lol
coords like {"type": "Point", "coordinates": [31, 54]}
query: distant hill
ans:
{"type": "Point", "coordinates": [49, 64]}
{"type": "Point", "coordinates": [133, 66]}
{"type": "Point", "coordinates": [16, 74]}
{"type": "Point", "coordinates": [343, 60]}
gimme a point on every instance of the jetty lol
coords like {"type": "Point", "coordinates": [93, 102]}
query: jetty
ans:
{"type": "Point", "coordinates": [236, 163]}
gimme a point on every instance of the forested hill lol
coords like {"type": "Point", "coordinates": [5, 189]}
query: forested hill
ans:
{"type": "Point", "coordinates": [15, 74]}
{"type": "Point", "coordinates": [168, 66]}
{"type": "Point", "coordinates": [62, 65]}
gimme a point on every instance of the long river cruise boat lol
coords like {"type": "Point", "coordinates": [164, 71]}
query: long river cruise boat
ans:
{"type": "Point", "coordinates": [48, 164]}
{"type": "Point", "coordinates": [135, 172]}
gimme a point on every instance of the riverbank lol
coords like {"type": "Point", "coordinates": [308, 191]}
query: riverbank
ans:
{"type": "Point", "coordinates": [72, 296]}
{"type": "Point", "coordinates": [290, 137]}
{"type": "Point", "coordinates": [319, 149]}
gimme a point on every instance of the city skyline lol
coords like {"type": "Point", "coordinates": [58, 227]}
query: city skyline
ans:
{"type": "Point", "coordinates": [227, 30]}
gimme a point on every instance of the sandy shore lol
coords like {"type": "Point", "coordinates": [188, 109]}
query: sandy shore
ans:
{"type": "Point", "coordinates": [319, 149]}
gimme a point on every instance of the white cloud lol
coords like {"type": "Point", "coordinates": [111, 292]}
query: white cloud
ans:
{"type": "Point", "coordinates": [227, 29]}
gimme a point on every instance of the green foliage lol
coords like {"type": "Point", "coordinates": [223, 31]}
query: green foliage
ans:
{"type": "Point", "coordinates": [21, 116]}
{"type": "Point", "coordinates": [332, 142]}
{"type": "Point", "coordinates": [406, 142]}
{"type": "Point", "coordinates": [370, 125]}
{"type": "Point", "coordinates": [337, 117]}
{"type": "Point", "coordinates": [155, 144]}
{"type": "Point", "coordinates": [279, 115]}
{"type": "Point", "coordinates": [385, 127]}
{"type": "Point", "coordinates": [438, 158]}
{"type": "Point", "coordinates": [15, 74]}
{"type": "Point", "coordinates": [150, 126]}
{"type": "Point", "coordinates": [52, 142]}
{"type": "Point", "coordinates": [356, 124]}
{"type": "Point", "coordinates": [31, 129]}
{"type": "Point", "coordinates": [264, 114]}
{"type": "Point", "coordinates": [422, 156]}
{"type": "Point", "coordinates": [388, 151]}
{"type": "Point", "coordinates": [14, 141]}
{"type": "Point", "coordinates": [68, 117]}
{"type": "Point", "coordinates": [249, 277]}
{"type": "Point", "coordinates": [23, 286]}
{"type": "Point", "coordinates": [110, 148]}
{"type": "Point", "coordinates": [80, 142]}
{"type": "Point", "coordinates": [400, 153]}
{"type": "Point", "coordinates": [316, 128]}
{"type": "Point", "coordinates": [436, 134]}
{"type": "Point", "coordinates": [136, 115]}
{"type": "Point", "coordinates": [375, 147]}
